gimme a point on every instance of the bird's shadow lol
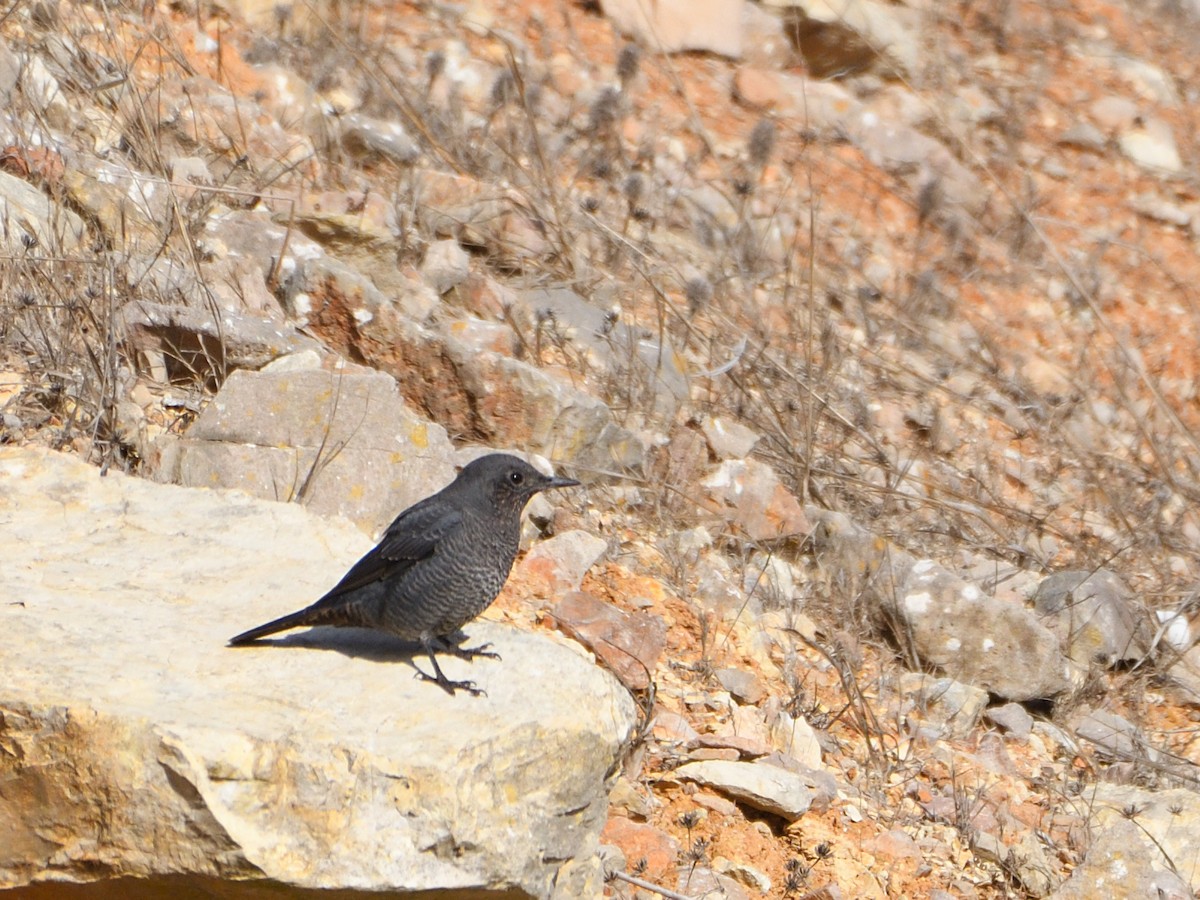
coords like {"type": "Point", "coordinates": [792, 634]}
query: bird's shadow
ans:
{"type": "Point", "coordinates": [359, 643]}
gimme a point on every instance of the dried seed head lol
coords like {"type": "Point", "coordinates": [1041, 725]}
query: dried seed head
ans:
{"type": "Point", "coordinates": [762, 142]}
{"type": "Point", "coordinates": [601, 167]}
{"type": "Point", "coordinates": [605, 110]}
{"type": "Point", "coordinates": [632, 187]}
{"type": "Point", "coordinates": [435, 65]}
{"type": "Point", "coordinates": [504, 89]}
{"type": "Point", "coordinates": [628, 62]}
{"type": "Point", "coordinates": [699, 293]}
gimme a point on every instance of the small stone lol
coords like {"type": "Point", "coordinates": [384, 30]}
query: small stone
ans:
{"type": "Point", "coordinates": [743, 685]}
{"type": "Point", "coordinates": [668, 26]}
{"type": "Point", "coordinates": [1013, 718]}
{"type": "Point", "coordinates": [715, 803]}
{"type": "Point", "coordinates": [628, 643]}
{"type": "Point", "coordinates": [1113, 113]}
{"type": "Point", "coordinates": [446, 265]}
{"type": "Point", "coordinates": [768, 788]}
{"type": "Point", "coordinates": [948, 706]}
{"type": "Point", "coordinates": [1084, 136]}
{"type": "Point", "coordinates": [894, 844]}
{"type": "Point", "coordinates": [750, 495]}
{"type": "Point", "coordinates": [747, 746]}
{"type": "Point", "coordinates": [565, 559]}
{"type": "Point", "coordinates": [1151, 146]}
{"type": "Point", "coordinates": [744, 873]}
{"type": "Point", "coordinates": [1113, 735]}
{"type": "Point", "coordinates": [294, 362]}
{"type": "Point", "coordinates": [628, 797]}
{"type": "Point", "coordinates": [365, 136]}
{"type": "Point", "coordinates": [728, 439]}
{"type": "Point", "coordinates": [672, 728]}
{"type": "Point", "coordinates": [723, 753]}
{"type": "Point", "coordinates": [701, 881]}
{"type": "Point", "coordinates": [641, 842]}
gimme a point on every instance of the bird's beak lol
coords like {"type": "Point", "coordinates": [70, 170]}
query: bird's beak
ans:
{"type": "Point", "coordinates": [559, 482]}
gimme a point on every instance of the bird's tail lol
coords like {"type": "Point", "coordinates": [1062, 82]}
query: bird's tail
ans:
{"type": "Point", "coordinates": [292, 620]}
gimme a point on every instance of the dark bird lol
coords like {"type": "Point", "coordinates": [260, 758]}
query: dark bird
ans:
{"type": "Point", "coordinates": [439, 565]}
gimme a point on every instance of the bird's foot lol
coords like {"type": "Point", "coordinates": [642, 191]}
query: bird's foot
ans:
{"type": "Point", "coordinates": [453, 644]}
{"type": "Point", "coordinates": [470, 653]}
{"type": "Point", "coordinates": [451, 686]}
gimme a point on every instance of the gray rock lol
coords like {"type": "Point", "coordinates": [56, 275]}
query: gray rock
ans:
{"type": "Point", "coordinates": [764, 42]}
{"type": "Point", "coordinates": [1184, 674]}
{"type": "Point", "coordinates": [364, 136]}
{"type": "Point", "coordinates": [742, 684]}
{"type": "Point", "coordinates": [839, 37]}
{"type": "Point", "coordinates": [569, 556]}
{"type": "Point", "coordinates": [750, 495]}
{"type": "Point", "coordinates": [629, 644]}
{"type": "Point", "coordinates": [457, 206]}
{"type": "Point", "coordinates": [10, 72]}
{"type": "Point", "coordinates": [726, 438]}
{"type": "Point", "coordinates": [996, 645]}
{"type": "Point", "coordinates": [156, 752]}
{"type": "Point", "coordinates": [1013, 718]}
{"type": "Point", "coordinates": [1114, 113]}
{"type": "Point", "coordinates": [947, 707]}
{"type": "Point", "coordinates": [491, 397]}
{"type": "Point", "coordinates": [984, 641]}
{"type": "Point", "coordinates": [29, 219]}
{"type": "Point", "coordinates": [446, 266]}
{"type": "Point", "coordinates": [1122, 866]}
{"type": "Point", "coordinates": [189, 170]}
{"type": "Point", "coordinates": [365, 454]}
{"type": "Point", "coordinates": [672, 25]}
{"type": "Point", "coordinates": [1115, 737]}
{"type": "Point", "coordinates": [1151, 145]}
{"type": "Point", "coordinates": [1149, 80]}
{"type": "Point", "coordinates": [746, 874]}
{"type": "Point", "coordinates": [1092, 612]}
{"type": "Point", "coordinates": [199, 112]}
{"type": "Point", "coordinates": [44, 92]}
{"type": "Point", "coordinates": [1160, 210]}
{"type": "Point", "coordinates": [131, 208]}
{"type": "Point", "coordinates": [701, 881]}
{"type": "Point", "coordinates": [632, 356]}
{"type": "Point", "coordinates": [187, 343]}
{"type": "Point", "coordinates": [1085, 136]}
{"type": "Point", "coordinates": [766, 787]}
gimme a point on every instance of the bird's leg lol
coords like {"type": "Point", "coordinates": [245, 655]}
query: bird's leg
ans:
{"type": "Point", "coordinates": [453, 644]}
{"type": "Point", "coordinates": [439, 678]}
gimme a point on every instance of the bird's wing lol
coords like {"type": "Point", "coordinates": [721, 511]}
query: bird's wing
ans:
{"type": "Point", "coordinates": [413, 536]}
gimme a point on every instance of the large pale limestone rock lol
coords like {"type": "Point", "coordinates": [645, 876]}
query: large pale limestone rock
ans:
{"type": "Point", "coordinates": [133, 742]}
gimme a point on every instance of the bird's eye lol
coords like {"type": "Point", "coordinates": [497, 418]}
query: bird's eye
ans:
{"type": "Point", "coordinates": [516, 477]}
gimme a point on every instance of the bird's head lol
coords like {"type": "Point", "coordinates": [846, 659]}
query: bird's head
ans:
{"type": "Point", "coordinates": [509, 481]}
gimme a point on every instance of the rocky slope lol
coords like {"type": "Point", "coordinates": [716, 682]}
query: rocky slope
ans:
{"type": "Point", "coordinates": [871, 328]}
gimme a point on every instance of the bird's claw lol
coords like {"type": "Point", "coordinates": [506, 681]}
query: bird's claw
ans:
{"type": "Point", "coordinates": [470, 653]}
{"type": "Point", "coordinates": [451, 686]}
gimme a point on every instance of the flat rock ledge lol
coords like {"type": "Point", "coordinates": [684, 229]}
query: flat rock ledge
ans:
{"type": "Point", "coordinates": [135, 745]}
